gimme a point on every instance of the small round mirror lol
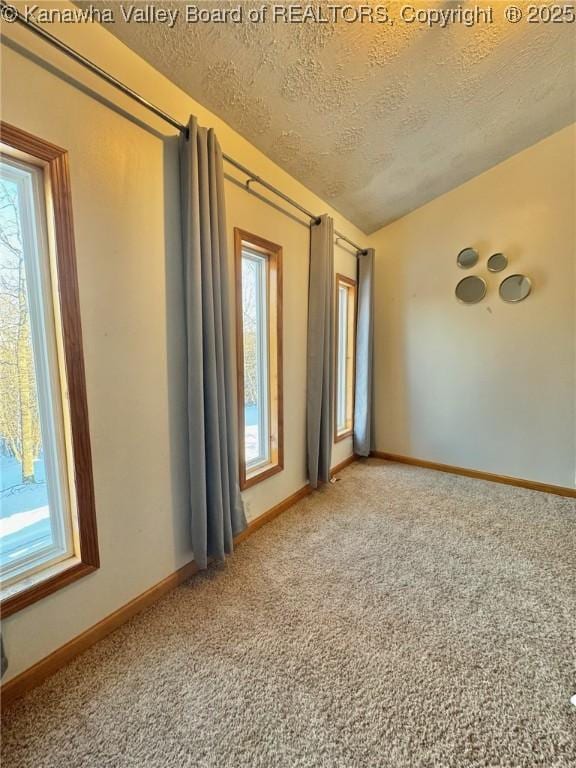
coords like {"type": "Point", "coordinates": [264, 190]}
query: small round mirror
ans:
{"type": "Point", "coordinates": [497, 262]}
{"type": "Point", "coordinates": [467, 258]}
{"type": "Point", "coordinates": [515, 288]}
{"type": "Point", "coordinates": [471, 290]}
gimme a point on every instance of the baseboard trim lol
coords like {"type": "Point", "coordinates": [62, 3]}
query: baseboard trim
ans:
{"type": "Point", "coordinates": [34, 675]}
{"type": "Point", "coordinates": [270, 514]}
{"type": "Point", "coordinates": [343, 464]}
{"type": "Point", "coordinates": [531, 485]}
{"type": "Point", "coordinates": [20, 684]}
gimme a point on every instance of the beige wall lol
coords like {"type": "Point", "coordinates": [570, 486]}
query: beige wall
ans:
{"type": "Point", "coordinates": [490, 386]}
{"type": "Point", "coordinates": [124, 174]}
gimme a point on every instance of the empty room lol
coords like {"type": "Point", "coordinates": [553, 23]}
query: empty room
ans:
{"type": "Point", "coordinates": [288, 384]}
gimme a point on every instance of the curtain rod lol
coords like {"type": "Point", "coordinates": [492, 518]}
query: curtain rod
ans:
{"type": "Point", "coordinates": [73, 54]}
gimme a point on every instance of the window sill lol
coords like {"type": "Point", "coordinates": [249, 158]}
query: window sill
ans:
{"type": "Point", "coordinates": [259, 474]}
{"type": "Point", "coordinates": [343, 435]}
{"type": "Point", "coordinates": [32, 588]}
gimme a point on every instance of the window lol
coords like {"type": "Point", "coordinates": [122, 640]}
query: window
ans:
{"type": "Point", "coordinates": [259, 349]}
{"type": "Point", "coordinates": [345, 350]}
{"type": "Point", "coordinates": [47, 523]}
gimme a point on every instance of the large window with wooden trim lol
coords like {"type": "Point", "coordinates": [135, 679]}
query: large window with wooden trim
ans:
{"type": "Point", "coordinates": [47, 519]}
{"type": "Point", "coordinates": [259, 349]}
{"type": "Point", "coordinates": [345, 352]}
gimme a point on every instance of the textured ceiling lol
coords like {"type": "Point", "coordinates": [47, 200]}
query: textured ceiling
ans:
{"type": "Point", "coordinates": [377, 119]}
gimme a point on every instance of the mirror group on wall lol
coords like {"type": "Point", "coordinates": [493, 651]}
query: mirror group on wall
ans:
{"type": "Point", "coordinates": [473, 288]}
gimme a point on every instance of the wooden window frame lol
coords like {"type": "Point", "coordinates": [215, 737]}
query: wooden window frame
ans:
{"type": "Point", "coordinates": [273, 253]}
{"type": "Point", "coordinates": [53, 160]}
{"type": "Point", "coordinates": [351, 354]}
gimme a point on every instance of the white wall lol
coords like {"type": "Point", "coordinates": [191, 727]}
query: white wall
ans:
{"type": "Point", "coordinates": [490, 386]}
{"type": "Point", "coordinates": [124, 175]}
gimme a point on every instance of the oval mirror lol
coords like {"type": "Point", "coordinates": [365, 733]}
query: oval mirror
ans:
{"type": "Point", "coordinates": [467, 258]}
{"type": "Point", "coordinates": [497, 262]}
{"type": "Point", "coordinates": [471, 290]}
{"type": "Point", "coordinates": [515, 288]}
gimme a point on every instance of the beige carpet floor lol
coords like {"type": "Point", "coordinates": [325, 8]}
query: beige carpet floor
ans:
{"type": "Point", "coordinates": [401, 617]}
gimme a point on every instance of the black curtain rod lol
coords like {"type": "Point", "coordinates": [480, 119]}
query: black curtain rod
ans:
{"type": "Point", "coordinates": [66, 49]}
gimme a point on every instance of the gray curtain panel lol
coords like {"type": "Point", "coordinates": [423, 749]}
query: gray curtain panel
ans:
{"type": "Point", "coordinates": [215, 502]}
{"type": "Point", "coordinates": [320, 376]}
{"type": "Point", "coordinates": [363, 403]}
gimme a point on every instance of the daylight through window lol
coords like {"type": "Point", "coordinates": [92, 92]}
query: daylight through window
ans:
{"type": "Point", "coordinates": [345, 351]}
{"type": "Point", "coordinates": [47, 522]}
{"type": "Point", "coordinates": [259, 291]}
{"type": "Point", "coordinates": [35, 522]}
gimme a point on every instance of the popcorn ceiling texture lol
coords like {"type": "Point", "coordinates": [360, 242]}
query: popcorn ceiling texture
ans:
{"type": "Point", "coordinates": [401, 618]}
{"type": "Point", "coordinates": [375, 119]}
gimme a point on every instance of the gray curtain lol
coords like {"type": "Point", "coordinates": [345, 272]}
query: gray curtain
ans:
{"type": "Point", "coordinates": [363, 408]}
{"type": "Point", "coordinates": [215, 502]}
{"type": "Point", "coordinates": [319, 397]}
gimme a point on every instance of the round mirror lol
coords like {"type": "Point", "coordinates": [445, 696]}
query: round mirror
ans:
{"type": "Point", "coordinates": [467, 258]}
{"type": "Point", "coordinates": [471, 290]}
{"type": "Point", "coordinates": [515, 288]}
{"type": "Point", "coordinates": [497, 262]}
